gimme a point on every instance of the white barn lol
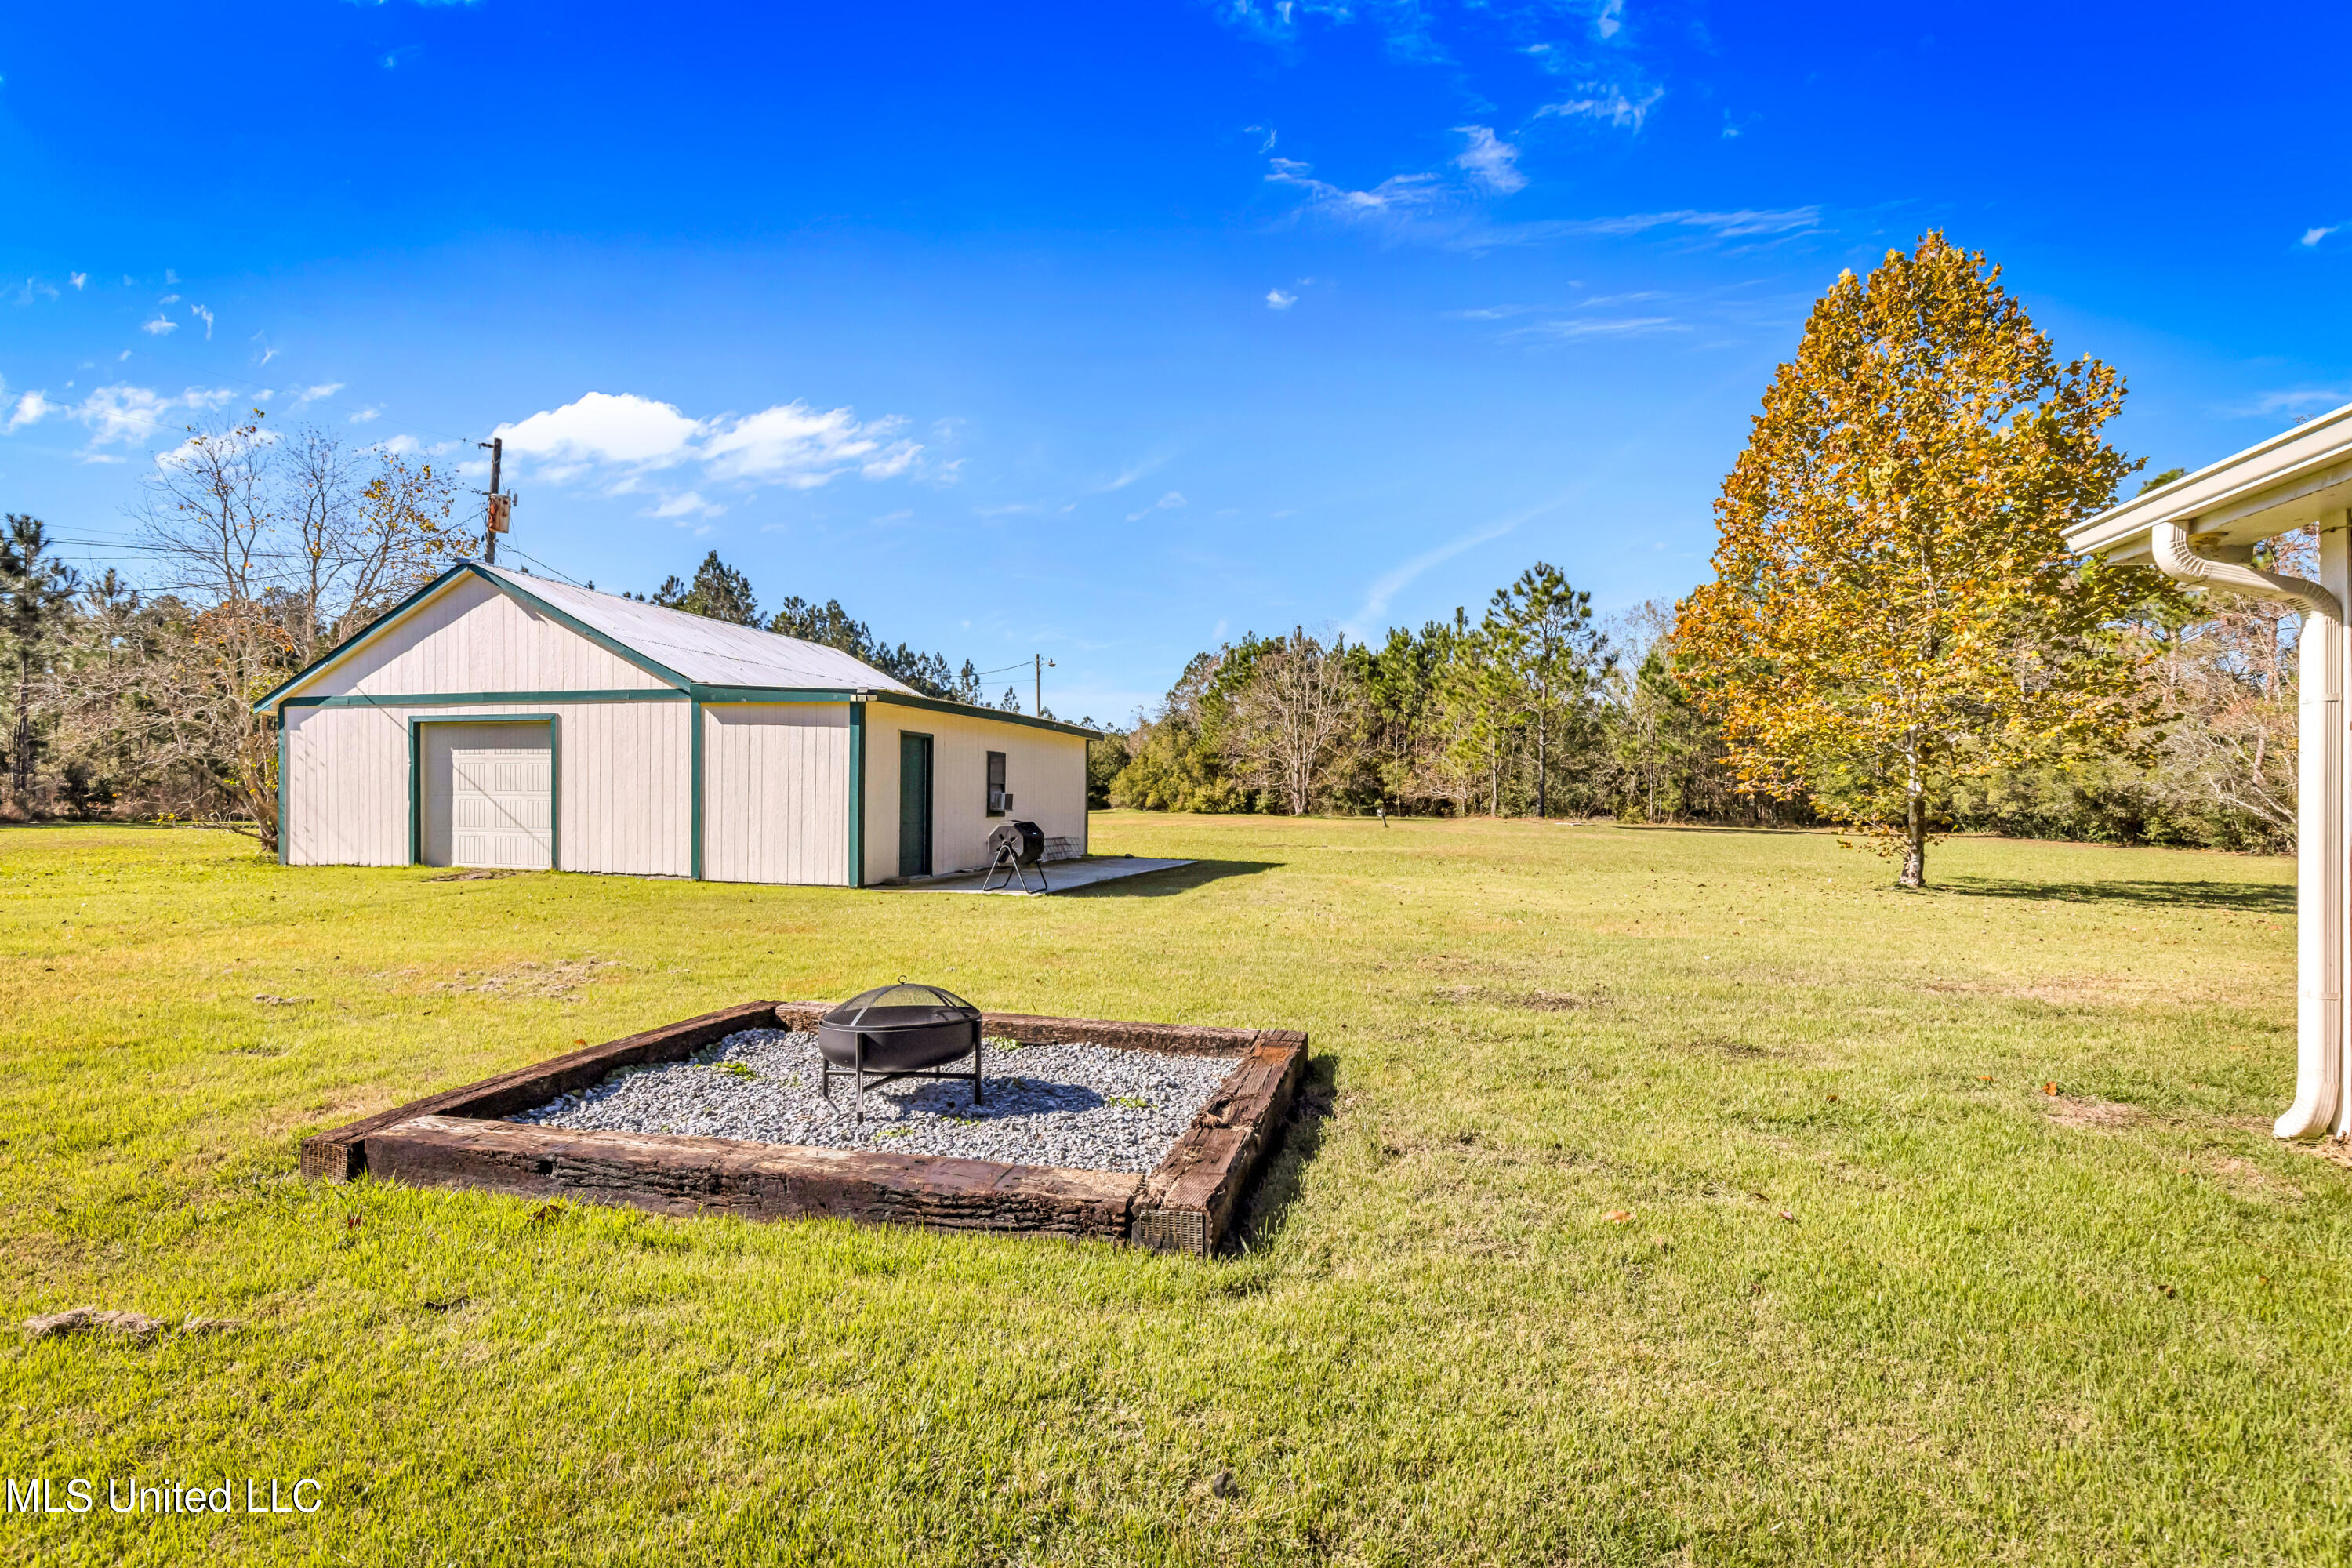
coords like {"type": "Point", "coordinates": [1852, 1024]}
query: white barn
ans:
{"type": "Point", "coordinates": [504, 720]}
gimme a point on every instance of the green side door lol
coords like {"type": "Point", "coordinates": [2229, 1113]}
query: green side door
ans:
{"type": "Point", "coordinates": [914, 804]}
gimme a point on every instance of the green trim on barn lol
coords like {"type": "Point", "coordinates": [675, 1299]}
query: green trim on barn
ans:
{"type": "Point", "coordinates": [470, 699]}
{"type": "Point", "coordinates": [857, 795]}
{"type": "Point", "coordinates": [1002, 715]}
{"type": "Point", "coordinates": [693, 848]}
{"type": "Point", "coordinates": [554, 724]}
{"type": "Point", "coordinates": [730, 694]}
{"type": "Point", "coordinates": [282, 750]}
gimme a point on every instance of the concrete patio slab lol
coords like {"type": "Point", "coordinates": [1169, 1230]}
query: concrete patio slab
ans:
{"type": "Point", "coordinates": [1061, 876]}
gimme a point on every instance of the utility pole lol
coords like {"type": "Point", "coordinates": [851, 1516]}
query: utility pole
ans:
{"type": "Point", "coordinates": [1042, 664]}
{"type": "Point", "coordinates": [494, 514]}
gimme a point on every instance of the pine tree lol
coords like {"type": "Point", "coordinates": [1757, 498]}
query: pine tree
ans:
{"type": "Point", "coordinates": [34, 594]}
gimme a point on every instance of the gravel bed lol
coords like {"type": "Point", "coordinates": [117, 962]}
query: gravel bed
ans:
{"type": "Point", "coordinates": [1080, 1107]}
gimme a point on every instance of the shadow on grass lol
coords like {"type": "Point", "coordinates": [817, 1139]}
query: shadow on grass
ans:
{"type": "Point", "coordinates": [1174, 879]}
{"type": "Point", "coordinates": [2247, 897]}
{"type": "Point", "coordinates": [1791, 830]}
{"type": "Point", "coordinates": [1282, 1180]}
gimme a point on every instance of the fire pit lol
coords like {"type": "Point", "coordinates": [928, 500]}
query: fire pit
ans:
{"type": "Point", "coordinates": [907, 1030]}
{"type": "Point", "coordinates": [1187, 1203]}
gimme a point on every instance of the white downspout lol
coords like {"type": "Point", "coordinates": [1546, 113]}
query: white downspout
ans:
{"type": "Point", "coordinates": [2319, 811]}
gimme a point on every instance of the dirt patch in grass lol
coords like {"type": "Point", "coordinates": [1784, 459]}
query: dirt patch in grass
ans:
{"type": "Point", "coordinates": [2334, 1151]}
{"type": "Point", "coordinates": [2070, 1111]}
{"type": "Point", "coordinates": [2250, 1180]}
{"type": "Point", "coordinates": [1724, 1045]}
{"type": "Point", "coordinates": [557, 979]}
{"type": "Point", "coordinates": [473, 876]}
{"type": "Point", "coordinates": [1525, 1001]}
{"type": "Point", "coordinates": [2078, 990]}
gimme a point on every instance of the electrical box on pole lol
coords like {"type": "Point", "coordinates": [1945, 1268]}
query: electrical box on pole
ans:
{"type": "Point", "coordinates": [499, 514]}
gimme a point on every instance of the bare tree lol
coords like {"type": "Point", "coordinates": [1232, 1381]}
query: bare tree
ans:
{"type": "Point", "coordinates": [2228, 680]}
{"type": "Point", "coordinates": [282, 544]}
{"type": "Point", "coordinates": [1293, 717]}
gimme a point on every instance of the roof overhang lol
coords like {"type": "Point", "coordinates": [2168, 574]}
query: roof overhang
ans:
{"type": "Point", "coordinates": [2291, 479]}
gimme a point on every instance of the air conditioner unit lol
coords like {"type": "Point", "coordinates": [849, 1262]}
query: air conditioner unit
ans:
{"type": "Point", "coordinates": [1000, 800]}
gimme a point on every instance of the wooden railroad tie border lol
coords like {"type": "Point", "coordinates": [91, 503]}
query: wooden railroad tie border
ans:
{"type": "Point", "coordinates": [458, 1138]}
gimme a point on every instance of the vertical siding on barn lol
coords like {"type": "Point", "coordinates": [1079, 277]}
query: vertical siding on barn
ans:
{"type": "Point", "coordinates": [624, 803]}
{"type": "Point", "coordinates": [775, 781]}
{"type": "Point", "coordinates": [1045, 771]}
{"type": "Point", "coordinates": [471, 637]}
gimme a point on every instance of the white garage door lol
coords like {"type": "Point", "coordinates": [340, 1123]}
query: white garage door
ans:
{"type": "Point", "coordinates": [487, 795]}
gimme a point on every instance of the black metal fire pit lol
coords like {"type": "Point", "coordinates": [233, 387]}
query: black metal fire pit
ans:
{"type": "Point", "coordinates": [1013, 848]}
{"type": "Point", "coordinates": [907, 1030]}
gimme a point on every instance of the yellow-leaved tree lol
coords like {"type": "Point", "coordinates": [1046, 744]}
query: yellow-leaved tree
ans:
{"type": "Point", "coordinates": [1894, 607]}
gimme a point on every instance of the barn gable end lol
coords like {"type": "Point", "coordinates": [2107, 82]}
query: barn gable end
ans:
{"type": "Point", "coordinates": [467, 633]}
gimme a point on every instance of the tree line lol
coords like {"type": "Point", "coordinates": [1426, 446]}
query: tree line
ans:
{"type": "Point", "coordinates": [1896, 639]}
{"type": "Point", "coordinates": [1533, 708]}
{"type": "Point", "coordinates": [1893, 640]}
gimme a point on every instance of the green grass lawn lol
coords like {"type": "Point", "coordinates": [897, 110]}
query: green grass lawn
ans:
{"type": "Point", "coordinates": [1880, 1297]}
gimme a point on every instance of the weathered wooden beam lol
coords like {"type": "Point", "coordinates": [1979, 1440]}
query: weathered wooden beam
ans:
{"type": "Point", "coordinates": [687, 1175]}
{"type": "Point", "coordinates": [1188, 1203]}
{"type": "Point", "coordinates": [337, 1155]}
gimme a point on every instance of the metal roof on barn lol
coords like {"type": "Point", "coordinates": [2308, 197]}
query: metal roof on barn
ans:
{"type": "Point", "coordinates": [706, 652]}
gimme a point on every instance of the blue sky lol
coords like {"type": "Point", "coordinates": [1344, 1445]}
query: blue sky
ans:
{"type": "Point", "coordinates": [1108, 333]}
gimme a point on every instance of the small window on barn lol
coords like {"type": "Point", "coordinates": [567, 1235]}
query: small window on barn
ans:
{"type": "Point", "coordinates": [999, 801]}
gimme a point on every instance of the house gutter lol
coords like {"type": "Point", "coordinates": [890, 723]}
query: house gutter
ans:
{"type": "Point", "coordinates": [2319, 811]}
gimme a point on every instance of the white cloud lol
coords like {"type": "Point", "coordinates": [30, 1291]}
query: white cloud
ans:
{"type": "Point", "coordinates": [31, 409]}
{"type": "Point", "coordinates": [1275, 300]}
{"type": "Point", "coordinates": [206, 316]}
{"type": "Point", "coordinates": [1492, 164]}
{"type": "Point", "coordinates": [2294, 401]}
{"type": "Point", "coordinates": [161, 326]}
{"type": "Point", "coordinates": [1397, 193]}
{"type": "Point", "coordinates": [1169, 502]}
{"type": "Point", "coordinates": [303, 395]}
{"type": "Point", "coordinates": [365, 415]}
{"type": "Point", "coordinates": [1572, 328]}
{"type": "Point", "coordinates": [686, 503]}
{"type": "Point", "coordinates": [129, 415]}
{"type": "Point", "coordinates": [2311, 237]}
{"type": "Point", "coordinates": [78, 278]}
{"type": "Point", "coordinates": [168, 300]}
{"type": "Point", "coordinates": [1744, 224]}
{"type": "Point", "coordinates": [890, 462]}
{"type": "Point", "coordinates": [790, 443]}
{"type": "Point", "coordinates": [601, 427]}
{"type": "Point", "coordinates": [1607, 103]}
{"type": "Point", "coordinates": [1130, 475]}
{"type": "Point", "coordinates": [400, 445]}
{"type": "Point", "coordinates": [170, 277]}
{"type": "Point", "coordinates": [1485, 313]}
{"type": "Point", "coordinates": [1386, 586]}
{"type": "Point", "coordinates": [1611, 18]}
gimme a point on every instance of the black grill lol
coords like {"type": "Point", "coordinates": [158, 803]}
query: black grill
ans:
{"type": "Point", "coordinates": [1013, 848]}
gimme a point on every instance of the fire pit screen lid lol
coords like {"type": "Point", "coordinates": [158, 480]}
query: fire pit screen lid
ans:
{"type": "Point", "coordinates": [908, 1002]}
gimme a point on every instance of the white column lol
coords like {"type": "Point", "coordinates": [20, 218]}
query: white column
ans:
{"type": "Point", "coordinates": [2331, 653]}
{"type": "Point", "coordinates": [2321, 928]}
